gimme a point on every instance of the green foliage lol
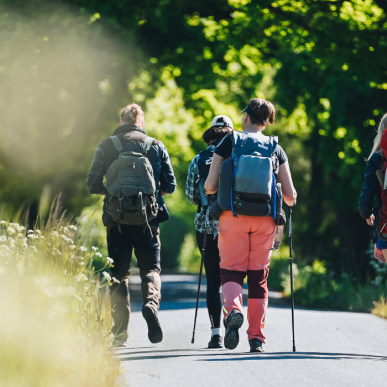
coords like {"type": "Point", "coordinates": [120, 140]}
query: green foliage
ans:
{"type": "Point", "coordinates": [190, 257]}
{"type": "Point", "coordinates": [319, 62]}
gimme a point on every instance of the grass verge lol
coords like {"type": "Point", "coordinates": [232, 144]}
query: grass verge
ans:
{"type": "Point", "coordinates": [55, 315]}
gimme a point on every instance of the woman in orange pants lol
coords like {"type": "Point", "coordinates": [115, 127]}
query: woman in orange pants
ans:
{"type": "Point", "coordinates": [245, 241]}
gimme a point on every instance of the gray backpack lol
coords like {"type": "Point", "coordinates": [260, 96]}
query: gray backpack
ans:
{"type": "Point", "coordinates": [247, 181]}
{"type": "Point", "coordinates": [131, 186]}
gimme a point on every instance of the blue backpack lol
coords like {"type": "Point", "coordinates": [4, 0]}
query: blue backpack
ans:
{"type": "Point", "coordinates": [247, 181]}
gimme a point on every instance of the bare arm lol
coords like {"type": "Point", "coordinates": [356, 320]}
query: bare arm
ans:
{"type": "Point", "coordinates": [212, 182]}
{"type": "Point", "coordinates": [285, 178]}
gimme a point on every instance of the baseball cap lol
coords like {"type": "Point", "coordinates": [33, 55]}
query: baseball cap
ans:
{"type": "Point", "coordinates": [222, 120]}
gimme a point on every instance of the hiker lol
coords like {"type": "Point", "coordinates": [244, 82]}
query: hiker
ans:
{"type": "Point", "coordinates": [375, 185]}
{"type": "Point", "coordinates": [247, 227]}
{"type": "Point", "coordinates": [198, 169]}
{"type": "Point", "coordinates": [138, 174]}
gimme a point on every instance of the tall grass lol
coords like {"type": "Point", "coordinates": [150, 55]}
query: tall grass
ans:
{"type": "Point", "coordinates": [55, 318]}
{"type": "Point", "coordinates": [380, 308]}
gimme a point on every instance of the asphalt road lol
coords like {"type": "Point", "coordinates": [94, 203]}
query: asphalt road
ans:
{"type": "Point", "coordinates": [333, 348]}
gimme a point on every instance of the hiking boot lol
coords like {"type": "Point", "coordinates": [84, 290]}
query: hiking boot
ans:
{"type": "Point", "coordinates": [120, 340]}
{"type": "Point", "coordinates": [256, 345]}
{"type": "Point", "coordinates": [215, 342]}
{"type": "Point", "coordinates": [234, 322]}
{"type": "Point", "coordinates": [155, 334]}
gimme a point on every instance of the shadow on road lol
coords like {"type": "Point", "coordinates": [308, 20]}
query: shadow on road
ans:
{"type": "Point", "coordinates": [305, 355]}
{"type": "Point", "coordinates": [167, 354]}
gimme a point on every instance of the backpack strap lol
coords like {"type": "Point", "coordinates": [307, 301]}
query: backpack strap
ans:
{"type": "Point", "coordinates": [275, 142]}
{"type": "Point", "coordinates": [147, 145]}
{"type": "Point", "coordinates": [234, 139]}
{"type": "Point", "coordinates": [117, 143]}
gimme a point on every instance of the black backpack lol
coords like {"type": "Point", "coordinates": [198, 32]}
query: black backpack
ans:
{"type": "Point", "coordinates": [204, 164]}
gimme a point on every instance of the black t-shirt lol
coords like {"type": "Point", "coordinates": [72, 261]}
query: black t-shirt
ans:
{"type": "Point", "coordinates": [224, 149]}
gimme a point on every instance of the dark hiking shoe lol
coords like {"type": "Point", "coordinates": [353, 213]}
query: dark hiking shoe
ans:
{"type": "Point", "coordinates": [234, 322]}
{"type": "Point", "coordinates": [256, 345]}
{"type": "Point", "coordinates": [215, 342]}
{"type": "Point", "coordinates": [155, 334]}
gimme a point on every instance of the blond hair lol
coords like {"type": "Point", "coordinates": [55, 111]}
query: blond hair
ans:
{"type": "Point", "coordinates": [131, 114]}
{"type": "Point", "coordinates": [378, 139]}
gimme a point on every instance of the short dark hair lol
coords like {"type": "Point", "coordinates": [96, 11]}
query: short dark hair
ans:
{"type": "Point", "coordinates": [264, 111]}
{"type": "Point", "coordinates": [216, 133]}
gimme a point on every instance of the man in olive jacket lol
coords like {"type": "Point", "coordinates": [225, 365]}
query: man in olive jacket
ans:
{"type": "Point", "coordinates": [121, 240]}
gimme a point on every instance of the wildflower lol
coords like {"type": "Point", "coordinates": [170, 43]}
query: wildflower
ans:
{"type": "Point", "coordinates": [19, 235]}
{"type": "Point", "coordinates": [21, 228]}
{"type": "Point", "coordinates": [81, 263]}
{"type": "Point", "coordinates": [3, 222]}
{"type": "Point", "coordinates": [71, 227]}
{"type": "Point", "coordinates": [79, 298]}
{"type": "Point", "coordinates": [3, 238]}
{"type": "Point", "coordinates": [38, 232]}
{"type": "Point", "coordinates": [98, 254]}
{"type": "Point", "coordinates": [16, 225]}
{"type": "Point", "coordinates": [72, 247]}
{"type": "Point", "coordinates": [110, 261]}
{"type": "Point", "coordinates": [115, 280]}
{"type": "Point", "coordinates": [83, 248]}
{"type": "Point", "coordinates": [85, 288]}
{"type": "Point", "coordinates": [107, 275]}
{"type": "Point", "coordinates": [55, 233]}
{"type": "Point", "coordinates": [11, 230]}
{"type": "Point", "coordinates": [30, 231]}
{"type": "Point", "coordinates": [81, 277]}
{"type": "Point", "coordinates": [95, 248]}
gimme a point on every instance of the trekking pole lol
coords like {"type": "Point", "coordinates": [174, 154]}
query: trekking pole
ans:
{"type": "Point", "coordinates": [291, 272]}
{"type": "Point", "coordinates": [200, 274]}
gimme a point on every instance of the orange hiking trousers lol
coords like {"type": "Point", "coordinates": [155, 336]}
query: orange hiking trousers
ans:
{"type": "Point", "coordinates": [244, 244]}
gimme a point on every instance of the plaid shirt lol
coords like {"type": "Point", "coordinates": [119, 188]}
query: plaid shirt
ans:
{"type": "Point", "coordinates": [192, 193]}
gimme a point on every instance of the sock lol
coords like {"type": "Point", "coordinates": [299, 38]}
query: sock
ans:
{"type": "Point", "coordinates": [215, 331]}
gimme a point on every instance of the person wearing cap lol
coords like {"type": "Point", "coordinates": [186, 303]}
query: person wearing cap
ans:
{"type": "Point", "coordinates": [199, 167]}
{"type": "Point", "coordinates": [245, 242]}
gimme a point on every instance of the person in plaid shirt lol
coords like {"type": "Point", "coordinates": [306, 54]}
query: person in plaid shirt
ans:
{"type": "Point", "coordinates": [220, 127]}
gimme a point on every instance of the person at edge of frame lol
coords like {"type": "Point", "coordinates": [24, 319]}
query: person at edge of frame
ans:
{"type": "Point", "coordinates": [372, 187]}
{"type": "Point", "coordinates": [245, 241]}
{"type": "Point", "coordinates": [220, 127]}
{"type": "Point", "coordinates": [121, 240]}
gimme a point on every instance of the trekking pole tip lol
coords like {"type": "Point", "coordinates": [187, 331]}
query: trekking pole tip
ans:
{"type": "Point", "coordinates": [294, 348]}
{"type": "Point", "coordinates": [193, 339]}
